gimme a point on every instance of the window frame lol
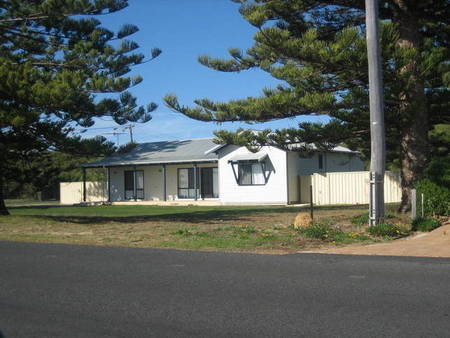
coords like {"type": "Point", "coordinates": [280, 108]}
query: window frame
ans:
{"type": "Point", "coordinates": [250, 164]}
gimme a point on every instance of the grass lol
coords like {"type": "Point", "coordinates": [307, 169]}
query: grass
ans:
{"type": "Point", "coordinates": [225, 228]}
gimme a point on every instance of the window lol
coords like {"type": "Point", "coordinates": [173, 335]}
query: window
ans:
{"type": "Point", "coordinates": [320, 161]}
{"type": "Point", "coordinates": [251, 174]}
{"type": "Point", "coordinates": [129, 184]}
{"type": "Point", "coordinates": [186, 183]}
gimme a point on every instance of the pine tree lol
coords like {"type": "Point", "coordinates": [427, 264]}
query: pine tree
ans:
{"type": "Point", "coordinates": [55, 58]}
{"type": "Point", "coordinates": [318, 50]}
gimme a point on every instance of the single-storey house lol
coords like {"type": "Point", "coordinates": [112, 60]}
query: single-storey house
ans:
{"type": "Point", "coordinates": [199, 169]}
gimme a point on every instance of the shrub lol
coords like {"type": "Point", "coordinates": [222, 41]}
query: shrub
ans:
{"type": "Point", "coordinates": [323, 232]}
{"type": "Point", "coordinates": [425, 224]}
{"type": "Point", "coordinates": [363, 219]}
{"type": "Point", "coordinates": [386, 230]}
{"type": "Point", "coordinates": [436, 197]}
{"type": "Point", "coordinates": [360, 219]}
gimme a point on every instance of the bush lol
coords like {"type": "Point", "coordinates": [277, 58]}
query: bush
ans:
{"type": "Point", "coordinates": [436, 197]}
{"type": "Point", "coordinates": [360, 219]}
{"type": "Point", "coordinates": [425, 224]}
{"type": "Point", "coordinates": [323, 232]}
{"type": "Point", "coordinates": [386, 230]}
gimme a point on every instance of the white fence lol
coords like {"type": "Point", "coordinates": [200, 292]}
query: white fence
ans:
{"type": "Point", "coordinates": [72, 192]}
{"type": "Point", "coordinates": [347, 188]}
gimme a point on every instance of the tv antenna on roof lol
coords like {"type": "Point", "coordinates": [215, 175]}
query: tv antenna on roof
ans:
{"type": "Point", "coordinates": [115, 133]}
{"type": "Point", "coordinates": [130, 128]}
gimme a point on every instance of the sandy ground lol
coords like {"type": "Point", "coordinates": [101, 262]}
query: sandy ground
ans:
{"type": "Point", "coordinates": [428, 244]}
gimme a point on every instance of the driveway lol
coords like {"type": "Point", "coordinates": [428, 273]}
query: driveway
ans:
{"type": "Point", "coordinates": [428, 244]}
{"type": "Point", "coordinates": [80, 291]}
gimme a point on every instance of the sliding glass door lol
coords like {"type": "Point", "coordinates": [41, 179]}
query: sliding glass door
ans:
{"type": "Point", "coordinates": [187, 184]}
{"type": "Point", "coordinates": [205, 183]}
{"type": "Point", "coordinates": [129, 184]}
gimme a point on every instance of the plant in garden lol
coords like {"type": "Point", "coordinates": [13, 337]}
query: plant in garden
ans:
{"type": "Point", "coordinates": [425, 224]}
{"type": "Point", "coordinates": [323, 232]}
{"type": "Point", "coordinates": [436, 197]}
{"type": "Point", "coordinates": [386, 230]}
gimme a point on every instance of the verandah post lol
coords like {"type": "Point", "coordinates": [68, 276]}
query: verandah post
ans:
{"type": "Point", "coordinates": [165, 181]}
{"type": "Point", "coordinates": [195, 181]}
{"type": "Point", "coordinates": [84, 184]}
{"type": "Point", "coordinates": [135, 184]}
{"type": "Point", "coordinates": [109, 183]}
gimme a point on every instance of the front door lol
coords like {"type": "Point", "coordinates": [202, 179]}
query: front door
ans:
{"type": "Point", "coordinates": [209, 181]}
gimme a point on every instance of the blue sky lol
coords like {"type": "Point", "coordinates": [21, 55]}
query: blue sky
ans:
{"type": "Point", "coordinates": [183, 30]}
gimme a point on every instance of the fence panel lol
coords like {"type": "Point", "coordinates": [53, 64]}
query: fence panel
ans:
{"type": "Point", "coordinates": [72, 192]}
{"type": "Point", "coordinates": [347, 188]}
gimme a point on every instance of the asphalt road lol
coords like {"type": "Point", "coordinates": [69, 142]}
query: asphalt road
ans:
{"type": "Point", "coordinates": [78, 291]}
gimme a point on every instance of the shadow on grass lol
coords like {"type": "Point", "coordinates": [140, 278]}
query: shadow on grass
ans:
{"type": "Point", "coordinates": [198, 216]}
{"type": "Point", "coordinates": [76, 214]}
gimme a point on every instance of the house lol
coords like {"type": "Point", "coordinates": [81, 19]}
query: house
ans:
{"type": "Point", "coordinates": [199, 169]}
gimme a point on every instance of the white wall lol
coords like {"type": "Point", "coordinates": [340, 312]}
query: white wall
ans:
{"type": "Point", "coordinates": [72, 192]}
{"type": "Point", "coordinates": [153, 181]}
{"type": "Point", "coordinates": [274, 192]}
{"type": "Point", "coordinates": [332, 162]}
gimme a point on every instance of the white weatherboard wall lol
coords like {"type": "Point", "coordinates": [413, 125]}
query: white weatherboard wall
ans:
{"type": "Point", "coordinates": [274, 192]}
{"type": "Point", "coordinates": [72, 192]}
{"type": "Point", "coordinates": [347, 188]}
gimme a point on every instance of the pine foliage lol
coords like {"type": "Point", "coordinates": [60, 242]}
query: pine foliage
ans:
{"type": "Point", "coordinates": [317, 49]}
{"type": "Point", "coordinates": [55, 60]}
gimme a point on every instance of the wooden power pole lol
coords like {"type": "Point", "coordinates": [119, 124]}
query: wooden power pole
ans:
{"type": "Point", "coordinates": [377, 133]}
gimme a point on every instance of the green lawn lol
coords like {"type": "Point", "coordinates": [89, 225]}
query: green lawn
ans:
{"type": "Point", "coordinates": [228, 228]}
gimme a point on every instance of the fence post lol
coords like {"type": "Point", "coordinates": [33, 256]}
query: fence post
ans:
{"type": "Point", "coordinates": [413, 204]}
{"type": "Point", "coordinates": [423, 213]}
{"type": "Point", "coordinates": [311, 205]}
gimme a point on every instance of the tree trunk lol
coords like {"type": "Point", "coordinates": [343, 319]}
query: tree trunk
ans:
{"type": "Point", "coordinates": [3, 210]}
{"type": "Point", "coordinates": [413, 108]}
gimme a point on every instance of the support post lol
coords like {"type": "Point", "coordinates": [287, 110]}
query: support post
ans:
{"type": "Point", "coordinates": [135, 184]}
{"type": "Point", "coordinates": [377, 133]}
{"type": "Point", "coordinates": [84, 184]}
{"type": "Point", "coordinates": [311, 203]}
{"type": "Point", "coordinates": [165, 182]}
{"type": "Point", "coordinates": [109, 184]}
{"type": "Point", "coordinates": [413, 204]}
{"type": "Point", "coordinates": [423, 211]}
{"type": "Point", "coordinates": [195, 181]}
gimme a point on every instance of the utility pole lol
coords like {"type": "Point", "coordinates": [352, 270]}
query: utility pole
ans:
{"type": "Point", "coordinates": [377, 133]}
{"type": "Point", "coordinates": [130, 128]}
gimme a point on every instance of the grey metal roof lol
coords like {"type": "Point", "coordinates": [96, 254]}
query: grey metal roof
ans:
{"type": "Point", "coordinates": [161, 152]}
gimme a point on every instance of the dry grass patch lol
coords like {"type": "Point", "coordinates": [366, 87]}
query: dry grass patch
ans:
{"type": "Point", "coordinates": [245, 229]}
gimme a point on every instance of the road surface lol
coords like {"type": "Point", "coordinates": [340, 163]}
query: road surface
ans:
{"type": "Point", "coordinates": [51, 290]}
